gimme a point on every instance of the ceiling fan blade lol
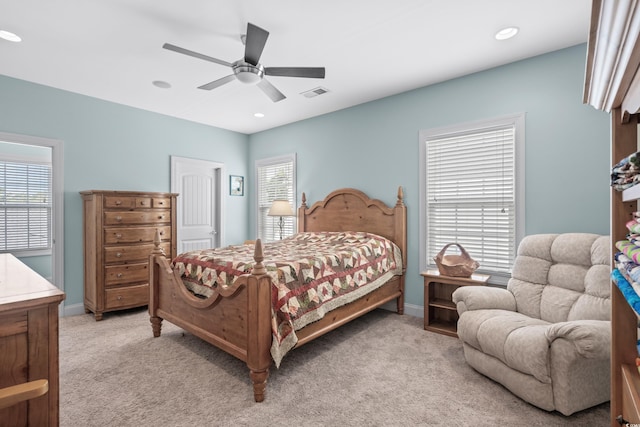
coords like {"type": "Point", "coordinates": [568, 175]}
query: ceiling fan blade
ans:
{"type": "Point", "coordinates": [195, 54]}
{"type": "Point", "coordinates": [270, 90]}
{"type": "Point", "coordinates": [311, 72]}
{"type": "Point", "coordinates": [217, 83]}
{"type": "Point", "coordinates": [255, 41]}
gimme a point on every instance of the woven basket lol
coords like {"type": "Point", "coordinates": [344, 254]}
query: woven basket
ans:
{"type": "Point", "coordinates": [455, 265]}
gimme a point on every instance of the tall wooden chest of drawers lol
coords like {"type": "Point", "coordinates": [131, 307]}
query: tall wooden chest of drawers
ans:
{"type": "Point", "coordinates": [119, 227]}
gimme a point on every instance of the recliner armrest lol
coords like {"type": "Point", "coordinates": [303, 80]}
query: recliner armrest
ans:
{"type": "Point", "coordinates": [592, 338]}
{"type": "Point", "coordinates": [483, 298]}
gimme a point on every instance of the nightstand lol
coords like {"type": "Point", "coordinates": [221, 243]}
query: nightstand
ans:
{"type": "Point", "coordinates": [440, 313]}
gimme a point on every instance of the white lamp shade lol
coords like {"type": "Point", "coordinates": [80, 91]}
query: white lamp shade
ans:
{"type": "Point", "coordinates": [280, 208]}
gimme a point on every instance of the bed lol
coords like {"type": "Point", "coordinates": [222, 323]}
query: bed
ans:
{"type": "Point", "coordinates": [238, 317]}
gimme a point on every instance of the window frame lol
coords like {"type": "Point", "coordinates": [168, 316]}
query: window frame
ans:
{"type": "Point", "coordinates": [57, 159]}
{"type": "Point", "coordinates": [518, 121]}
{"type": "Point", "coordinates": [274, 161]}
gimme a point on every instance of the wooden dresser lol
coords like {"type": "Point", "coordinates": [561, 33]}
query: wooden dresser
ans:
{"type": "Point", "coordinates": [119, 227]}
{"type": "Point", "coordinates": [28, 341]}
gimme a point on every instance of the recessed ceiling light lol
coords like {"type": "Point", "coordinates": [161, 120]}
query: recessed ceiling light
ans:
{"type": "Point", "coordinates": [258, 115]}
{"type": "Point", "coordinates": [507, 33]}
{"type": "Point", "coordinates": [7, 35]}
{"type": "Point", "coordinates": [161, 84]}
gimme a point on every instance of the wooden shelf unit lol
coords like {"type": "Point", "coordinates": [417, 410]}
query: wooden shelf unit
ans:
{"type": "Point", "coordinates": [612, 84]}
{"type": "Point", "coordinates": [625, 379]}
{"type": "Point", "coordinates": [440, 314]}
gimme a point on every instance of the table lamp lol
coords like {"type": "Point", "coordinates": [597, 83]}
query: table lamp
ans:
{"type": "Point", "coordinates": [281, 208]}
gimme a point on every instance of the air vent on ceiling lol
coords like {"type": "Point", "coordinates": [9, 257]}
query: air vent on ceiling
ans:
{"type": "Point", "coordinates": [315, 92]}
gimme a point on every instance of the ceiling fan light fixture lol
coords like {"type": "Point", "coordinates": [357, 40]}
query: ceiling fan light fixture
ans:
{"type": "Point", "coordinates": [248, 77]}
{"type": "Point", "coordinates": [507, 33]}
{"type": "Point", "coordinates": [247, 73]}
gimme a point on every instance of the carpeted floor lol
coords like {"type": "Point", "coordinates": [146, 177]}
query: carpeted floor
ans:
{"type": "Point", "coordinates": [379, 370]}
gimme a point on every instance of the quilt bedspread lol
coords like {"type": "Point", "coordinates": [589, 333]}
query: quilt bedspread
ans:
{"type": "Point", "coordinates": [312, 273]}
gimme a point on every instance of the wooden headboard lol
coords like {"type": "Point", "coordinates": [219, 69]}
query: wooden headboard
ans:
{"type": "Point", "coordinates": [348, 209]}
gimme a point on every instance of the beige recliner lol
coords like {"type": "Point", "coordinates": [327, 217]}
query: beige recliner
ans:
{"type": "Point", "coordinates": [547, 336]}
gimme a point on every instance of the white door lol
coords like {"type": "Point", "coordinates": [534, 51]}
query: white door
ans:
{"type": "Point", "coordinates": [198, 184]}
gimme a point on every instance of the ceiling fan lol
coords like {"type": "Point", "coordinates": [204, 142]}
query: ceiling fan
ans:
{"type": "Point", "coordinates": [248, 69]}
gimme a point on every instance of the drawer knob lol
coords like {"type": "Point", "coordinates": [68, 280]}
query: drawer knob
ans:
{"type": "Point", "coordinates": [160, 216]}
{"type": "Point", "coordinates": [118, 235]}
{"type": "Point", "coordinates": [118, 202]}
{"type": "Point", "coordinates": [142, 203]}
{"type": "Point", "coordinates": [118, 218]}
{"type": "Point", "coordinates": [161, 203]}
{"type": "Point", "coordinates": [119, 297]}
{"type": "Point", "coordinates": [119, 275]}
{"type": "Point", "coordinates": [118, 254]}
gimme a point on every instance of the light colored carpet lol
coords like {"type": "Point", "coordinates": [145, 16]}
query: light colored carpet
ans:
{"type": "Point", "coordinates": [379, 370]}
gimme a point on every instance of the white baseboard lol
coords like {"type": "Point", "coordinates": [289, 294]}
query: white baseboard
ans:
{"type": "Point", "coordinates": [409, 309]}
{"type": "Point", "coordinates": [414, 310]}
{"type": "Point", "coordinates": [73, 309]}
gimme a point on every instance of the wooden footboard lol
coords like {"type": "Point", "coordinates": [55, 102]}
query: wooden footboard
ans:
{"type": "Point", "coordinates": [238, 319]}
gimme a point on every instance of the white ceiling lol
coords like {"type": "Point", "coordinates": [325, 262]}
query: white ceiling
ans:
{"type": "Point", "coordinates": [112, 49]}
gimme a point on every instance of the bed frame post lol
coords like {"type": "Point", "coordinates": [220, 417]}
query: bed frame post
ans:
{"type": "Point", "coordinates": [301, 211]}
{"type": "Point", "coordinates": [156, 322]}
{"type": "Point", "coordinates": [400, 231]}
{"type": "Point", "coordinates": [400, 227]}
{"type": "Point", "coordinates": [259, 324]}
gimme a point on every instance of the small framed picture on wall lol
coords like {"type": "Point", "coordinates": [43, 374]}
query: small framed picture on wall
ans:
{"type": "Point", "coordinates": [236, 185]}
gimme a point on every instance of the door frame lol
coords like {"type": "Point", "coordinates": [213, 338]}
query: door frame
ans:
{"type": "Point", "coordinates": [219, 171]}
{"type": "Point", "coordinates": [57, 209]}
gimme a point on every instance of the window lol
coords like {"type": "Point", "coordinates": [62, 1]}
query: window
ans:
{"type": "Point", "coordinates": [472, 176]}
{"type": "Point", "coordinates": [275, 180]}
{"type": "Point", "coordinates": [25, 206]}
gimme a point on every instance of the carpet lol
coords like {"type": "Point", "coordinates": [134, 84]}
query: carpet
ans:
{"type": "Point", "coordinates": [382, 369]}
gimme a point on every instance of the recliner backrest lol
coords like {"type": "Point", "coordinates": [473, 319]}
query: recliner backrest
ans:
{"type": "Point", "coordinates": [561, 277]}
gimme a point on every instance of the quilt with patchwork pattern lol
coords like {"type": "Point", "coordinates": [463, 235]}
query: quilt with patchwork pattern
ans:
{"type": "Point", "coordinates": [312, 273]}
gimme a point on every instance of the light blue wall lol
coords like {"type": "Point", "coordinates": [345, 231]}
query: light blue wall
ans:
{"type": "Point", "coordinates": [374, 147]}
{"type": "Point", "coordinates": [113, 147]}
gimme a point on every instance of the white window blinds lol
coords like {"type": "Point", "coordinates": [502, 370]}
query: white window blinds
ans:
{"type": "Point", "coordinates": [25, 206]}
{"type": "Point", "coordinates": [276, 180]}
{"type": "Point", "coordinates": [470, 195]}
